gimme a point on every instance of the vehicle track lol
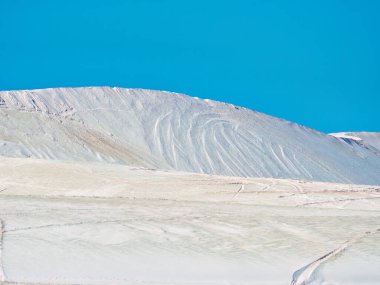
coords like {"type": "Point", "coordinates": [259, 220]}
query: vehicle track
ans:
{"type": "Point", "coordinates": [306, 274]}
{"type": "Point", "coordinates": [241, 189]}
{"type": "Point", "coordinates": [2, 273]}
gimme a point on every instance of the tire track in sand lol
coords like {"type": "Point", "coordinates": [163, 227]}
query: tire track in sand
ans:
{"type": "Point", "coordinates": [2, 274]}
{"type": "Point", "coordinates": [305, 275]}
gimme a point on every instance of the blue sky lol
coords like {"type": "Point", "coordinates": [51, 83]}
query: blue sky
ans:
{"type": "Point", "coordinates": [313, 62]}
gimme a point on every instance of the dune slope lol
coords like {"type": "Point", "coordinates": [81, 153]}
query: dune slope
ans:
{"type": "Point", "coordinates": [167, 130]}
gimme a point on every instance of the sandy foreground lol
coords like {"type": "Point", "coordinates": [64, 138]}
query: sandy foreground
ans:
{"type": "Point", "coordinates": [99, 223]}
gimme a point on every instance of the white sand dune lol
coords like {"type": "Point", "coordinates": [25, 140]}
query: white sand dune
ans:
{"type": "Point", "coordinates": [368, 139]}
{"type": "Point", "coordinates": [129, 186]}
{"type": "Point", "coordinates": [172, 131]}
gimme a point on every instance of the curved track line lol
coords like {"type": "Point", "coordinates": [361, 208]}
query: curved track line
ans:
{"type": "Point", "coordinates": [304, 275]}
{"type": "Point", "coordinates": [2, 273]}
{"type": "Point", "coordinates": [296, 187]}
{"type": "Point", "coordinates": [268, 186]}
{"type": "Point", "coordinates": [238, 191]}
